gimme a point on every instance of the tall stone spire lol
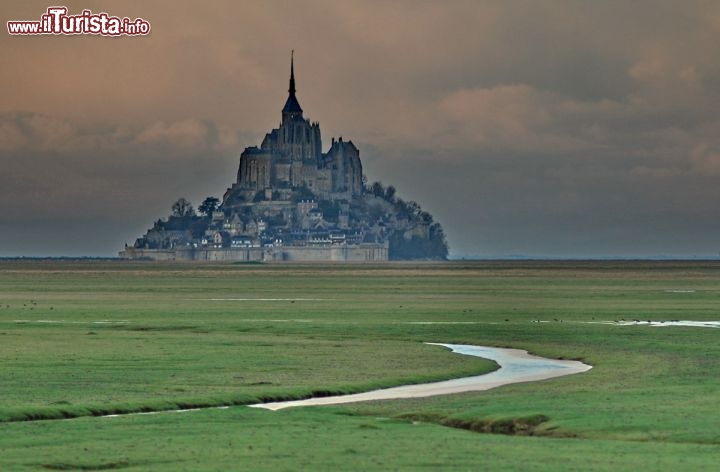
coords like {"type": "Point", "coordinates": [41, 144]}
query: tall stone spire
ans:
{"type": "Point", "coordinates": [292, 107]}
{"type": "Point", "coordinates": [291, 90]}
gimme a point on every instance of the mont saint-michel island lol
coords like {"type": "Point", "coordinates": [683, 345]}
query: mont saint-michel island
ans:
{"type": "Point", "coordinates": [293, 202]}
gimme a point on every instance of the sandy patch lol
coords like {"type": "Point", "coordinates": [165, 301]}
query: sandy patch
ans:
{"type": "Point", "coordinates": [263, 299]}
{"type": "Point", "coordinates": [442, 322]}
{"type": "Point", "coordinates": [693, 324]}
{"type": "Point", "coordinates": [71, 322]}
{"type": "Point", "coordinates": [162, 411]}
{"type": "Point", "coordinates": [686, 323]}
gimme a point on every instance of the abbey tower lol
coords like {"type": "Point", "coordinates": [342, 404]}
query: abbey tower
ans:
{"type": "Point", "coordinates": [291, 157]}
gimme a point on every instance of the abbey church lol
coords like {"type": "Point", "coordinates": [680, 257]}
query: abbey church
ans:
{"type": "Point", "coordinates": [291, 156]}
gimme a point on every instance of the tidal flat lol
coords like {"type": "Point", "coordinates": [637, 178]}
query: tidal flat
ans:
{"type": "Point", "coordinates": [81, 339]}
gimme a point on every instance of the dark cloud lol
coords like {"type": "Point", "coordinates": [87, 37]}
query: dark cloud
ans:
{"type": "Point", "coordinates": [543, 128]}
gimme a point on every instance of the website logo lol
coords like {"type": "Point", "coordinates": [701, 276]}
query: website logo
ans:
{"type": "Point", "coordinates": [57, 21]}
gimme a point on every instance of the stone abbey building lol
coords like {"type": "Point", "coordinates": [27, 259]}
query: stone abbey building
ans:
{"type": "Point", "coordinates": [291, 156]}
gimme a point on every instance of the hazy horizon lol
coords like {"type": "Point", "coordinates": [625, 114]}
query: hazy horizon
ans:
{"type": "Point", "coordinates": [565, 129]}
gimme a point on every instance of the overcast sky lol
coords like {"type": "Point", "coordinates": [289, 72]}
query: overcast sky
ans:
{"type": "Point", "coordinates": [553, 128]}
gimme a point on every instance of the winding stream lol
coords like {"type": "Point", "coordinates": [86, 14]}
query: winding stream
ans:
{"type": "Point", "coordinates": [515, 366]}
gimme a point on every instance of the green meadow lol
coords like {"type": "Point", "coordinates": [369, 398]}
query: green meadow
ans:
{"type": "Point", "coordinates": [79, 340]}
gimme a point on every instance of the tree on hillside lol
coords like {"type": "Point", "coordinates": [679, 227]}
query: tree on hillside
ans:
{"type": "Point", "coordinates": [413, 208]}
{"type": "Point", "coordinates": [377, 189]}
{"type": "Point", "coordinates": [330, 210]}
{"type": "Point", "coordinates": [426, 217]}
{"type": "Point", "coordinates": [209, 205]}
{"type": "Point", "coordinates": [433, 248]}
{"type": "Point", "coordinates": [182, 208]}
{"type": "Point", "coordinates": [390, 194]}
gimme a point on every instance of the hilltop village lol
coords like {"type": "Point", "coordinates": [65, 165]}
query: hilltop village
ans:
{"type": "Point", "coordinates": [291, 201]}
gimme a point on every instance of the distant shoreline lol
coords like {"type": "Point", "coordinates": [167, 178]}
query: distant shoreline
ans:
{"type": "Point", "coordinates": [450, 260]}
